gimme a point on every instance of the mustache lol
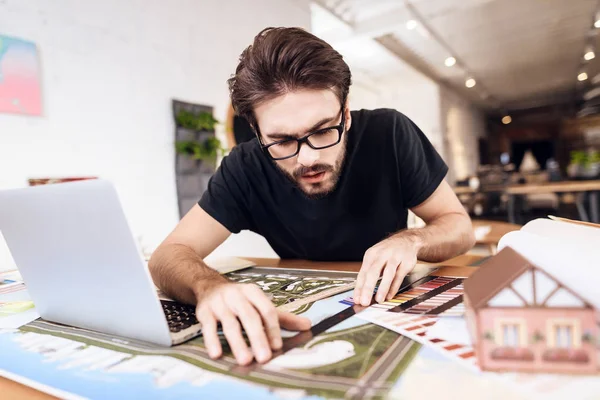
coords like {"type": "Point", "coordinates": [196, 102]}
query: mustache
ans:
{"type": "Point", "coordinates": [314, 169]}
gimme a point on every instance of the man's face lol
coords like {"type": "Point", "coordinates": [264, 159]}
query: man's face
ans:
{"type": "Point", "coordinates": [293, 116]}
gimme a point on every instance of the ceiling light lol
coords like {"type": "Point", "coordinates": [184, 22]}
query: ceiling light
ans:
{"type": "Point", "coordinates": [588, 53]}
{"type": "Point", "coordinates": [582, 77]}
{"type": "Point", "coordinates": [411, 24]}
{"type": "Point", "coordinates": [597, 23]}
{"type": "Point", "coordinates": [450, 61]}
{"type": "Point", "coordinates": [470, 83]}
{"type": "Point", "coordinates": [506, 119]}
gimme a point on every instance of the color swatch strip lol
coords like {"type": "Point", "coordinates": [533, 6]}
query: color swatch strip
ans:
{"type": "Point", "coordinates": [424, 295]}
{"type": "Point", "coordinates": [413, 288]}
{"type": "Point", "coordinates": [430, 296]}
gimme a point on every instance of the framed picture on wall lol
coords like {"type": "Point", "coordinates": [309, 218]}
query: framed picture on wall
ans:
{"type": "Point", "coordinates": [20, 87]}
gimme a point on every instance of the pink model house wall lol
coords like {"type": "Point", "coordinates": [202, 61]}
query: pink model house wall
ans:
{"type": "Point", "coordinates": [523, 319]}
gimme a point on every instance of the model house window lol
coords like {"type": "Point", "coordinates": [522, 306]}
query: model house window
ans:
{"type": "Point", "coordinates": [564, 333]}
{"type": "Point", "coordinates": [510, 335]}
{"type": "Point", "coordinates": [563, 336]}
{"type": "Point", "coordinates": [510, 332]}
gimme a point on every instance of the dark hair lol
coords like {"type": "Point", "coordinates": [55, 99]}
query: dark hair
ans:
{"type": "Point", "coordinates": [281, 60]}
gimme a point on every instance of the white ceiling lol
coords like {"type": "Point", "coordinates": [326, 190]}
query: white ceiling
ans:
{"type": "Point", "coordinates": [523, 53]}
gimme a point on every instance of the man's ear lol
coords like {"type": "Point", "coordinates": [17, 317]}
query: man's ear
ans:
{"type": "Point", "coordinates": [348, 115]}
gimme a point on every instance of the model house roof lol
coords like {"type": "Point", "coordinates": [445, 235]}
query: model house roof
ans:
{"type": "Point", "coordinates": [494, 275]}
{"type": "Point", "coordinates": [571, 261]}
{"type": "Point", "coordinates": [510, 280]}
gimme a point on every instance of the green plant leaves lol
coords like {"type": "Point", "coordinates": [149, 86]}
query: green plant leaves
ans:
{"type": "Point", "coordinates": [208, 149]}
{"type": "Point", "coordinates": [203, 121]}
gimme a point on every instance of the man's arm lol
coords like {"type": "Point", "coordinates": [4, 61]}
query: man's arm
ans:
{"type": "Point", "coordinates": [177, 265]}
{"type": "Point", "coordinates": [178, 269]}
{"type": "Point", "coordinates": [448, 233]}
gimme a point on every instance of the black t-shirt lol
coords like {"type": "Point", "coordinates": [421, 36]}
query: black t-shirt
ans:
{"type": "Point", "coordinates": [390, 167]}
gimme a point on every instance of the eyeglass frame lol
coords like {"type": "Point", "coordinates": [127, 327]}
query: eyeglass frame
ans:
{"type": "Point", "coordinates": [340, 128]}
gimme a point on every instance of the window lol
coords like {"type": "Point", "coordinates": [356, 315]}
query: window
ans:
{"type": "Point", "coordinates": [564, 333]}
{"type": "Point", "coordinates": [510, 332]}
{"type": "Point", "coordinates": [510, 335]}
{"type": "Point", "coordinates": [563, 336]}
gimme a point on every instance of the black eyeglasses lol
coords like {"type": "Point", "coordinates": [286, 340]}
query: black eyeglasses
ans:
{"type": "Point", "coordinates": [318, 140]}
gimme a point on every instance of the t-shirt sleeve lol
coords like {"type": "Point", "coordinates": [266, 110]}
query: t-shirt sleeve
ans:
{"type": "Point", "coordinates": [226, 195]}
{"type": "Point", "coordinates": [421, 168]}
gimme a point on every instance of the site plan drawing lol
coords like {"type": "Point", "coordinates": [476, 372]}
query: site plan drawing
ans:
{"type": "Point", "coordinates": [353, 359]}
{"type": "Point", "coordinates": [295, 290]}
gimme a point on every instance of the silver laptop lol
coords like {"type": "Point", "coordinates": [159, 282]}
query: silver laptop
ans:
{"type": "Point", "coordinates": [82, 266]}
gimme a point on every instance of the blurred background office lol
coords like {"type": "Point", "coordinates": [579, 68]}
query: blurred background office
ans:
{"type": "Point", "coordinates": [134, 91]}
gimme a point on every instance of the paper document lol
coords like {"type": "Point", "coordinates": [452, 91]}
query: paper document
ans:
{"type": "Point", "coordinates": [16, 307]}
{"type": "Point", "coordinates": [451, 329]}
{"type": "Point", "coordinates": [9, 279]}
{"type": "Point", "coordinates": [481, 231]}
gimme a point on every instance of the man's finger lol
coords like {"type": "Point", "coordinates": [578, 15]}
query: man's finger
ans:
{"type": "Point", "coordinates": [253, 325]}
{"type": "Point", "coordinates": [362, 276]}
{"type": "Point", "coordinates": [209, 332]}
{"type": "Point", "coordinates": [232, 331]}
{"type": "Point", "coordinates": [389, 273]}
{"type": "Point", "coordinates": [268, 314]}
{"type": "Point", "coordinates": [293, 322]}
{"type": "Point", "coordinates": [371, 282]}
{"type": "Point", "coordinates": [401, 273]}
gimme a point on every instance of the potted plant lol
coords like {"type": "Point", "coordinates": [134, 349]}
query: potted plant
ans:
{"type": "Point", "coordinates": [207, 150]}
{"type": "Point", "coordinates": [202, 145]}
{"type": "Point", "coordinates": [202, 121]}
{"type": "Point", "coordinates": [576, 164]}
{"type": "Point", "coordinates": [584, 164]}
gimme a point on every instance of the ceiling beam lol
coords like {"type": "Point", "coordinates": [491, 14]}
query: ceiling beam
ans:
{"type": "Point", "coordinates": [371, 28]}
{"type": "Point", "coordinates": [406, 54]}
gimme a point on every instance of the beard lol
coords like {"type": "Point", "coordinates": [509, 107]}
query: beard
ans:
{"type": "Point", "coordinates": [321, 189]}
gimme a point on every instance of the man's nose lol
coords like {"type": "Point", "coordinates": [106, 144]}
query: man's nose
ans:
{"type": "Point", "coordinates": [307, 155]}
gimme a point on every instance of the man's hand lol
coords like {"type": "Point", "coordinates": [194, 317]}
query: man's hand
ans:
{"type": "Point", "coordinates": [234, 303]}
{"type": "Point", "coordinates": [392, 259]}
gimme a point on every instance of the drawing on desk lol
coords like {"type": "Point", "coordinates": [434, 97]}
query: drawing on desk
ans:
{"type": "Point", "coordinates": [10, 308]}
{"type": "Point", "coordinates": [296, 290]}
{"type": "Point", "coordinates": [16, 308]}
{"type": "Point", "coordinates": [88, 363]}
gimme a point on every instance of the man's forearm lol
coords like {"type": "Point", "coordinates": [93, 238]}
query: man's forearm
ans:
{"type": "Point", "coordinates": [181, 274]}
{"type": "Point", "coordinates": [448, 236]}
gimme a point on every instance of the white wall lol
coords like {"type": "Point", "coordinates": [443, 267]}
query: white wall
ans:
{"type": "Point", "coordinates": [109, 71]}
{"type": "Point", "coordinates": [462, 125]}
{"type": "Point", "coordinates": [409, 92]}
{"type": "Point", "coordinates": [451, 123]}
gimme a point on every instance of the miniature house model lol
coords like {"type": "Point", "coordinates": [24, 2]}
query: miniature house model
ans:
{"type": "Point", "coordinates": [522, 318]}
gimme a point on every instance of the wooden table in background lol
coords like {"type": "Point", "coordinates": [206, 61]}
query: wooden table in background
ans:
{"type": "Point", "coordinates": [12, 390]}
{"type": "Point", "coordinates": [580, 188]}
{"type": "Point", "coordinates": [497, 230]}
{"type": "Point", "coordinates": [351, 266]}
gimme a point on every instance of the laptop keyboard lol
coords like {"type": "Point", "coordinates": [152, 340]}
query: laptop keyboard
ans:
{"type": "Point", "coordinates": [179, 316]}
